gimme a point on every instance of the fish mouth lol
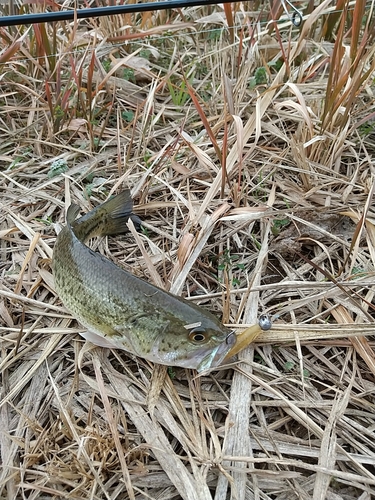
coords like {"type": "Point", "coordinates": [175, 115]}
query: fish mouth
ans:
{"type": "Point", "coordinates": [217, 355]}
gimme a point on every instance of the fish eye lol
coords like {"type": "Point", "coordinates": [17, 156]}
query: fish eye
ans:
{"type": "Point", "coordinates": [198, 335]}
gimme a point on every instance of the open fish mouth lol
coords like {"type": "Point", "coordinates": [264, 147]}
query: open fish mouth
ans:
{"type": "Point", "coordinates": [233, 344]}
{"type": "Point", "coordinates": [217, 355]}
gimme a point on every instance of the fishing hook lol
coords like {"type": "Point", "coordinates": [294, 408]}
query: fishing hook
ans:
{"type": "Point", "coordinates": [295, 16]}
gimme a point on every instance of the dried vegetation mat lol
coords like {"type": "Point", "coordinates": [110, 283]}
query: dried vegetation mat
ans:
{"type": "Point", "coordinates": [249, 147]}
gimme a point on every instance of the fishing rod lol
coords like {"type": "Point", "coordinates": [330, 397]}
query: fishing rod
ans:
{"type": "Point", "coordinates": [112, 10]}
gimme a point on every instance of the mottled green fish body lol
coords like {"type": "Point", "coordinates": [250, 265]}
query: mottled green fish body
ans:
{"type": "Point", "coordinates": [123, 311]}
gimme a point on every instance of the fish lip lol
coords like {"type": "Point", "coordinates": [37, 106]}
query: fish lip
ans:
{"type": "Point", "coordinates": [214, 358]}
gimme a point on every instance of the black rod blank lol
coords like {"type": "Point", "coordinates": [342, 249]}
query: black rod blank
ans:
{"type": "Point", "coordinates": [70, 15]}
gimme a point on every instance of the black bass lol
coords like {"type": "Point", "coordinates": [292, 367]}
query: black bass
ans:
{"type": "Point", "coordinates": [122, 311]}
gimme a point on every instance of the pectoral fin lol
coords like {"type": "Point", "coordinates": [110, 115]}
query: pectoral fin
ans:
{"type": "Point", "coordinates": [105, 341]}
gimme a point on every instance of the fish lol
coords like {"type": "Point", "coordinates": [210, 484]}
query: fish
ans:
{"type": "Point", "coordinates": [122, 311]}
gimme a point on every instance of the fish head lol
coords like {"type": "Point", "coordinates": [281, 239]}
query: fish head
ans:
{"type": "Point", "coordinates": [199, 347]}
{"type": "Point", "coordinates": [219, 349]}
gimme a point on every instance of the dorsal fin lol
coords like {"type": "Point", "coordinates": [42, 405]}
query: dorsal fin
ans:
{"type": "Point", "coordinates": [72, 213]}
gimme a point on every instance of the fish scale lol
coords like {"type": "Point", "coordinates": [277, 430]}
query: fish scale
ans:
{"type": "Point", "coordinates": [123, 311]}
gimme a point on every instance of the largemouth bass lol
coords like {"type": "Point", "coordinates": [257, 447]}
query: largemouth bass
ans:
{"type": "Point", "coordinates": [122, 311]}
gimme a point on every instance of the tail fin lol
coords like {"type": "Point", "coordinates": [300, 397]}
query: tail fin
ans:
{"type": "Point", "coordinates": [107, 219]}
{"type": "Point", "coordinates": [119, 210]}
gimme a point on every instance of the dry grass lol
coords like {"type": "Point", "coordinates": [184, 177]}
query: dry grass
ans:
{"type": "Point", "coordinates": [252, 165]}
